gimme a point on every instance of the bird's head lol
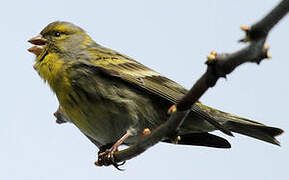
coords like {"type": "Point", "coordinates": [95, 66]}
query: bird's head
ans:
{"type": "Point", "coordinates": [60, 37]}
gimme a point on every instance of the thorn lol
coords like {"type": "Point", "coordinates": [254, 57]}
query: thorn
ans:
{"type": "Point", "coordinates": [146, 132]}
{"type": "Point", "coordinates": [214, 53]}
{"type": "Point", "coordinates": [266, 47]}
{"type": "Point", "coordinates": [245, 28]}
{"type": "Point", "coordinates": [172, 109]}
{"type": "Point", "coordinates": [211, 57]}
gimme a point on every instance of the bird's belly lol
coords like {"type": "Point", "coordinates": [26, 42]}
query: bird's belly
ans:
{"type": "Point", "coordinates": [106, 119]}
{"type": "Point", "coordinates": [99, 122]}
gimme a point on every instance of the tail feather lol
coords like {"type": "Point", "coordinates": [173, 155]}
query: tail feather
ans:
{"type": "Point", "coordinates": [250, 128]}
{"type": "Point", "coordinates": [258, 131]}
{"type": "Point", "coordinates": [244, 126]}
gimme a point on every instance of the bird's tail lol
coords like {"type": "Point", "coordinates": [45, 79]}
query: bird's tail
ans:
{"type": "Point", "coordinates": [248, 127]}
{"type": "Point", "coordinates": [253, 129]}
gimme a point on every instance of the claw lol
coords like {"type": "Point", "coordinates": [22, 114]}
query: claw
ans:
{"type": "Point", "coordinates": [107, 158]}
{"type": "Point", "coordinates": [117, 165]}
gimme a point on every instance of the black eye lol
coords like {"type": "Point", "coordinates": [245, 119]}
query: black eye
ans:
{"type": "Point", "coordinates": [57, 34]}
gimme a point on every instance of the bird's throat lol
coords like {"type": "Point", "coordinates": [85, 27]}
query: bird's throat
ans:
{"type": "Point", "coordinates": [50, 68]}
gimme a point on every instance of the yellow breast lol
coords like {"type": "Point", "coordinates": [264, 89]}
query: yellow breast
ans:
{"type": "Point", "coordinates": [52, 70]}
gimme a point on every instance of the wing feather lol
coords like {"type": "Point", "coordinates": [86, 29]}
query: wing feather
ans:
{"type": "Point", "coordinates": [124, 67]}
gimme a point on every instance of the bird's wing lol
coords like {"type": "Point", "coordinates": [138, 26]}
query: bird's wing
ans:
{"type": "Point", "coordinates": [135, 73]}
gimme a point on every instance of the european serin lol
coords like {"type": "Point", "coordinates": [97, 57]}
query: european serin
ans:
{"type": "Point", "coordinates": [110, 96]}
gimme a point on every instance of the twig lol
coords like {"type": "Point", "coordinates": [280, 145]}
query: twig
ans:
{"type": "Point", "coordinates": [219, 65]}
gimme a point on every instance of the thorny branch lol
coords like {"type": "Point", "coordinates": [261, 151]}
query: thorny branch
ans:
{"type": "Point", "coordinates": [218, 65]}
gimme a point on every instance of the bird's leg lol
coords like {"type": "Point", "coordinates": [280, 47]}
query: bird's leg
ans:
{"type": "Point", "coordinates": [106, 158]}
{"type": "Point", "coordinates": [120, 141]}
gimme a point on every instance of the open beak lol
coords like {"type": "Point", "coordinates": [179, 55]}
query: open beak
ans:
{"type": "Point", "coordinates": [38, 41]}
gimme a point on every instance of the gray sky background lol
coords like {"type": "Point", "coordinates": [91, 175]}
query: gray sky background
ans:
{"type": "Point", "coordinates": [172, 37]}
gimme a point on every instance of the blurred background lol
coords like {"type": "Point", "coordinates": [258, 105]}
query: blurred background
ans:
{"type": "Point", "coordinates": [171, 37]}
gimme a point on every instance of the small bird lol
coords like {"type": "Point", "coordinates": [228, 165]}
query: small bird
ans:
{"type": "Point", "coordinates": [114, 100]}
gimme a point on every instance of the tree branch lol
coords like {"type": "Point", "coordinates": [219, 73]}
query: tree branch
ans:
{"type": "Point", "coordinates": [218, 65]}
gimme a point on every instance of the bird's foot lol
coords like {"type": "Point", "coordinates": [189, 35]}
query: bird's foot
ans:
{"type": "Point", "coordinates": [106, 158]}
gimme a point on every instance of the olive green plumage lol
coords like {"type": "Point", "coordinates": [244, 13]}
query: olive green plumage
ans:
{"type": "Point", "coordinates": [105, 93]}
